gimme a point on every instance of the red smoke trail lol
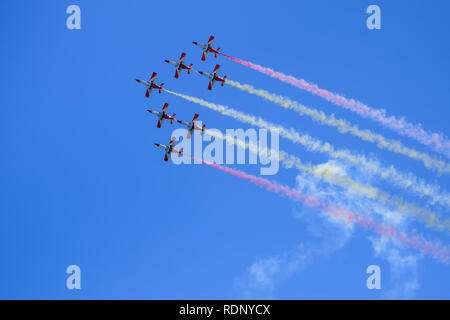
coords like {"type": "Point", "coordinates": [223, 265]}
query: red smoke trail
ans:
{"type": "Point", "coordinates": [436, 141]}
{"type": "Point", "coordinates": [435, 250]}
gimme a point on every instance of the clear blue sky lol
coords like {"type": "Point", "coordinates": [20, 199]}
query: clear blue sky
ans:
{"type": "Point", "coordinates": [82, 183]}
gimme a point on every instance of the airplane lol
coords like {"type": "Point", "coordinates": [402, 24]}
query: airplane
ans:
{"type": "Point", "coordinates": [163, 115]}
{"type": "Point", "coordinates": [191, 126]}
{"type": "Point", "coordinates": [151, 84]}
{"type": "Point", "coordinates": [207, 48]}
{"type": "Point", "coordinates": [179, 65]}
{"type": "Point", "coordinates": [170, 149]}
{"type": "Point", "coordinates": [213, 77]}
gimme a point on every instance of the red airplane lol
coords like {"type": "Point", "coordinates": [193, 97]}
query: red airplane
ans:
{"type": "Point", "coordinates": [191, 126]}
{"type": "Point", "coordinates": [163, 115]}
{"type": "Point", "coordinates": [169, 149]}
{"type": "Point", "coordinates": [179, 65]}
{"type": "Point", "coordinates": [207, 48]}
{"type": "Point", "coordinates": [213, 77]}
{"type": "Point", "coordinates": [151, 84]}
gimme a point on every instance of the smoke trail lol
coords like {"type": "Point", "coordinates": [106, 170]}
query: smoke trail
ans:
{"type": "Point", "coordinates": [436, 141]}
{"type": "Point", "coordinates": [344, 126]}
{"type": "Point", "coordinates": [435, 250]}
{"type": "Point", "coordinates": [312, 144]}
{"type": "Point", "coordinates": [425, 216]}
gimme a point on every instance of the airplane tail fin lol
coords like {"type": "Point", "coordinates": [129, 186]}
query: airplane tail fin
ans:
{"type": "Point", "coordinates": [190, 68]}
{"type": "Point", "coordinates": [161, 87]}
{"type": "Point", "coordinates": [224, 79]}
{"type": "Point", "coordinates": [181, 152]}
{"type": "Point", "coordinates": [173, 118]}
{"type": "Point", "coordinates": [217, 52]}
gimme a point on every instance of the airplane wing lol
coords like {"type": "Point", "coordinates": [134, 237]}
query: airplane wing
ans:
{"type": "Point", "coordinates": [153, 76]}
{"type": "Point", "coordinates": [210, 85]}
{"type": "Point", "coordinates": [166, 105]}
{"type": "Point", "coordinates": [205, 54]}
{"type": "Point", "coordinates": [216, 69]}
{"type": "Point", "coordinates": [172, 141]}
{"type": "Point", "coordinates": [159, 124]}
{"type": "Point", "coordinates": [210, 40]}
{"type": "Point", "coordinates": [177, 74]}
{"type": "Point", "coordinates": [183, 55]}
{"type": "Point", "coordinates": [166, 157]}
{"type": "Point", "coordinates": [195, 117]}
{"type": "Point", "coordinates": [147, 93]}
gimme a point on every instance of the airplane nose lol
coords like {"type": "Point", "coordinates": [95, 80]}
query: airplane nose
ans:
{"type": "Point", "coordinates": [166, 61]}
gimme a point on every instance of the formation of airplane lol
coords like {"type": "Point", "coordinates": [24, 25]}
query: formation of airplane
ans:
{"type": "Point", "coordinates": [179, 65]}
{"type": "Point", "coordinates": [163, 115]}
{"type": "Point", "coordinates": [213, 77]}
{"type": "Point", "coordinates": [170, 149]}
{"type": "Point", "coordinates": [151, 85]}
{"type": "Point", "coordinates": [207, 48]}
{"type": "Point", "coordinates": [191, 126]}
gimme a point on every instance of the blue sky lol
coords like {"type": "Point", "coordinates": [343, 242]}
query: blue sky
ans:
{"type": "Point", "coordinates": [82, 182]}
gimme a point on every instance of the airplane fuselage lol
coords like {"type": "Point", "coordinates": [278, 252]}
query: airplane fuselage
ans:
{"type": "Point", "coordinates": [207, 48]}
{"type": "Point", "coordinates": [175, 64]}
{"type": "Point", "coordinates": [189, 125]}
{"type": "Point", "coordinates": [210, 76]}
{"type": "Point", "coordinates": [167, 148]}
{"type": "Point", "coordinates": [163, 146]}
{"type": "Point", "coordinates": [161, 114]}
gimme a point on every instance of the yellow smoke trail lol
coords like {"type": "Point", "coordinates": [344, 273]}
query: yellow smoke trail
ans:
{"type": "Point", "coordinates": [344, 127]}
{"type": "Point", "coordinates": [406, 181]}
{"type": "Point", "coordinates": [425, 216]}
